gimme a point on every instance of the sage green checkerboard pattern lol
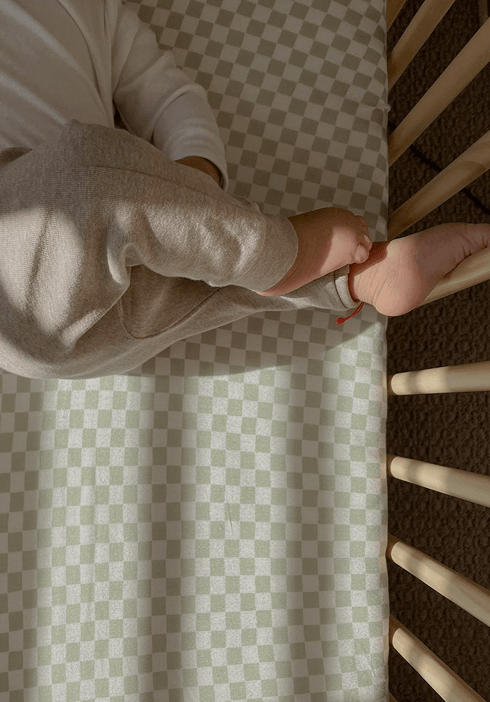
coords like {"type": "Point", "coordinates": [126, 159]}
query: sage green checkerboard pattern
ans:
{"type": "Point", "coordinates": [212, 526]}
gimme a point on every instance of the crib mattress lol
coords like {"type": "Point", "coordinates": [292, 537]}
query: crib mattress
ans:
{"type": "Point", "coordinates": [212, 526]}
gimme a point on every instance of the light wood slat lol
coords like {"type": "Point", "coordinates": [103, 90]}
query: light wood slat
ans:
{"type": "Point", "coordinates": [439, 675]}
{"type": "Point", "coordinates": [467, 377]}
{"type": "Point", "coordinates": [473, 270]}
{"type": "Point", "coordinates": [393, 8]}
{"type": "Point", "coordinates": [461, 71]}
{"type": "Point", "coordinates": [482, 11]}
{"type": "Point", "coordinates": [472, 487]}
{"type": "Point", "coordinates": [464, 170]}
{"type": "Point", "coordinates": [416, 34]}
{"type": "Point", "coordinates": [392, 699]}
{"type": "Point", "coordinates": [465, 593]}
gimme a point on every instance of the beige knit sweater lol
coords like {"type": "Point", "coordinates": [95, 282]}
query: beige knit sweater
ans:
{"type": "Point", "coordinates": [110, 252]}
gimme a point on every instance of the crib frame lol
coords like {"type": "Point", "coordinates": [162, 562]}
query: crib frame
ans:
{"type": "Point", "coordinates": [469, 377]}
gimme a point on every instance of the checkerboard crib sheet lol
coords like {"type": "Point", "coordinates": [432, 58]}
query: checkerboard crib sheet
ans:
{"type": "Point", "coordinates": [212, 526]}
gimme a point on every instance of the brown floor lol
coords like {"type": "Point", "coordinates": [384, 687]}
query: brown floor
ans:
{"type": "Point", "coordinates": [451, 429]}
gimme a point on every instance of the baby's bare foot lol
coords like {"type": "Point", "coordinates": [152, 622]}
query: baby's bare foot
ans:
{"type": "Point", "coordinates": [328, 239]}
{"type": "Point", "coordinates": [398, 275]}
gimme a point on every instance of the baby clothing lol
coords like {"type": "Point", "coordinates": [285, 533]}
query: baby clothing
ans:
{"type": "Point", "coordinates": [110, 251]}
{"type": "Point", "coordinates": [82, 59]}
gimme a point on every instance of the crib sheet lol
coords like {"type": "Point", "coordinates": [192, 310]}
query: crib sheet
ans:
{"type": "Point", "coordinates": [212, 526]}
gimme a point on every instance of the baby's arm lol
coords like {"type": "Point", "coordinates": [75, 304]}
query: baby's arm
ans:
{"type": "Point", "coordinates": [328, 239]}
{"type": "Point", "coordinates": [158, 101]}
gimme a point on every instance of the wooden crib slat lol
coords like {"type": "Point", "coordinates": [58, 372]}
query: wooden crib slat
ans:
{"type": "Point", "coordinates": [471, 597]}
{"type": "Point", "coordinates": [472, 487]}
{"type": "Point", "coordinates": [439, 675]}
{"type": "Point", "coordinates": [416, 34]}
{"type": "Point", "coordinates": [461, 71]}
{"type": "Point", "coordinates": [473, 270]}
{"type": "Point", "coordinates": [392, 699]}
{"type": "Point", "coordinates": [465, 169]}
{"type": "Point", "coordinates": [393, 8]}
{"type": "Point", "coordinates": [467, 377]}
{"type": "Point", "coordinates": [482, 10]}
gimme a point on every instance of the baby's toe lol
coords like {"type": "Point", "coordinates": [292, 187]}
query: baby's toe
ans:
{"type": "Point", "coordinates": [362, 254]}
{"type": "Point", "coordinates": [368, 241]}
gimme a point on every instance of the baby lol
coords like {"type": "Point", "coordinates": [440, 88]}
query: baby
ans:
{"type": "Point", "coordinates": [115, 244]}
{"type": "Point", "coordinates": [394, 277]}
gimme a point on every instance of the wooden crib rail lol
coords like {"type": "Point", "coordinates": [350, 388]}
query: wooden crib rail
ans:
{"type": "Point", "coordinates": [464, 170]}
{"type": "Point", "coordinates": [439, 676]}
{"type": "Point", "coordinates": [472, 487]}
{"type": "Point", "coordinates": [473, 270]}
{"type": "Point", "coordinates": [471, 597]}
{"type": "Point", "coordinates": [466, 377]}
{"type": "Point", "coordinates": [393, 7]}
{"type": "Point", "coordinates": [461, 71]}
{"type": "Point", "coordinates": [483, 10]}
{"type": "Point", "coordinates": [469, 377]}
{"type": "Point", "coordinates": [418, 31]}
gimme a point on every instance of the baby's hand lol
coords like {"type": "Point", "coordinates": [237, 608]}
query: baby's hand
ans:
{"type": "Point", "coordinates": [201, 164]}
{"type": "Point", "coordinates": [328, 239]}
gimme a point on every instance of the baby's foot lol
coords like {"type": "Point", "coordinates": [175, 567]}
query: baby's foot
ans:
{"type": "Point", "coordinates": [328, 239]}
{"type": "Point", "coordinates": [398, 275]}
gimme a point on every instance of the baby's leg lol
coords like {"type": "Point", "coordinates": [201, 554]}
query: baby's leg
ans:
{"type": "Point", "coordinates": [398, 275]}
{"type": "Point", "coordinates": [129, 238]}
{"type": "Point", "coordinates": [145, 307]}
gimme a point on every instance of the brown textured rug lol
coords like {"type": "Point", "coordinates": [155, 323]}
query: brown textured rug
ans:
{"type": "Point", "coordinates": [451, 429]}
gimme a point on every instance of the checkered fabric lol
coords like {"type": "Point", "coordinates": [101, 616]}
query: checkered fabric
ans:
{"type": "Point", "coordinates": [212, 526]}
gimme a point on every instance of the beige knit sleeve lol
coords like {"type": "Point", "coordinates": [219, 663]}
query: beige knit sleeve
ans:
{"type": "Point", "coordinates": [172, 218]}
